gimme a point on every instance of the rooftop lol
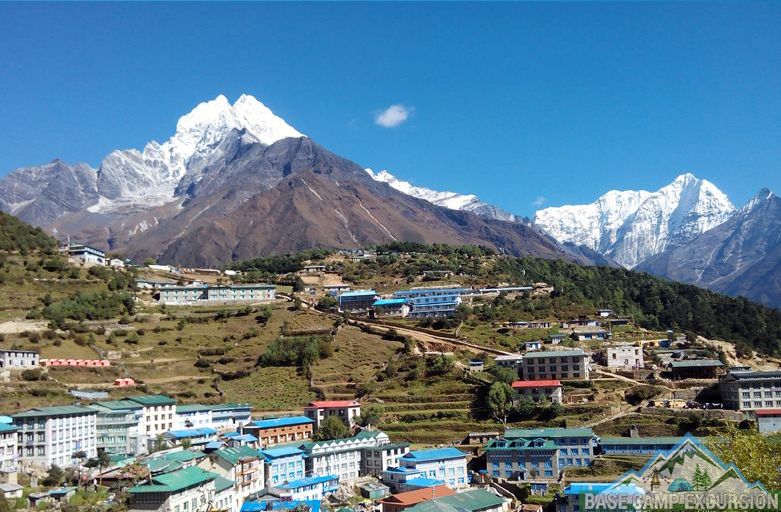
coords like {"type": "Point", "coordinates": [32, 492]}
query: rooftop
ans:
{"type": "Point", "coordinates": [152, 400]}
{"type": "Point", "coordinates": [418, 495]}
{"type": "Point", "coordinates": [434, 454]}
{"type": "Point", "coordinates": [236, 454]}
{"type": "Point", "coordinates": [175, 481]}
{"type": "Point", "coordinates": [523, 384]}
{"type": "Point", "coordinates": [62, 410]}
{"type": "Point", "coordinates": [662, 440]}
{"type": "Point", "coordinates": [282, 451]}
{"type": "Point", "coordinates": [548, 432]}
{"type": "Point", "coordinates": [556, 353]}
{"type": "Point", "coordinates": [333, 404]}
{"type": "Point", "coordinates": [358, 293]}
{"type": "Point", "coordinates": [389, 302]}
{"type": "Point", "coordinates": [282, 422]}
{"type": "Point", "coordinates": [468, 501]}
{"type": "Point", "coordinates": [185, 408]}
{"type": "Point", "coordinates": [697, 363]}
{"type": "Point", "coordinates": [768, 412]}
{"type": "Point", "coordinates": [191, 432]}
{"type": "Point", "coordinates": [120, 404]}
{"type": "Point", "coordinates": [312, 480]}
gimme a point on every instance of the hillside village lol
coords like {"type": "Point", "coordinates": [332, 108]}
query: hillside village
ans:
{"type": "Point", "coordinates": [399, 377]}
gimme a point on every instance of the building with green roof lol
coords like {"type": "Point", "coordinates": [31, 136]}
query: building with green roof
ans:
{"type": "Point", "coordinates": [241, 465]}
{"type": "Point", "coordinates": [575, 445]}
{"type": "Point", "coordinates": [473, 500]}
{"type": "Point", "coordinates": [75, 426]}
{"type": "Point", "coordinates": [191, 489]}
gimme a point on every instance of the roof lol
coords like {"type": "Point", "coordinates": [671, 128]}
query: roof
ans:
{"type": "Point", "coordinates": [768, 412]}
{"type": "Point", "coordinates": [521, 444]}
{"type": "Point", "coordinates": [389, 302]}
{"type": "Point", "coordinates": [312, 480]}
{"type": "Point", "coordinates": [282, 422]}
{"type": "Point", "coordinates": [4, 427]}
{"type": "Point", "coordinates": [424, 482]}
{"type": "Point", "coordinates": [153, 400]}
{"type": "Point", "coordinates": [417, 496]}
{"type": "Point", "coordinates": [467, 501]}
{"type": "Point", "coordinates": [283, 451]}
{"type": "Point", "coordinates": [612, 441]}
{"type": "Point", "coordinates": [754, 375]}
{"type": "Point", "coordinates": [62, 410]}
{"type": "Point", "coordinates": [191, 432]}
{"type": "Point", "coordinates": [556, 353]}
{"type": "Point", "coordinates": [697, 363]}
{"type": "Point", "coordinates": [222, 484]}
{"type": "Point", "coordinates": [180, 409]}
{"type": "Point", "coordinates": [523, 384]}
{"type": "Point", "coordinates": [434, 454]}
{"type": "Point", "coordinates": [548, 432]}
{"type": "Point", "coordinates": [236, 454]}
{"type": "Point", "coordinates": [508, 357]}
{"type": "Point", "coordinates": [230, 407]}
{"type": "Point", "coordinates": [175, 481]}
{"type": "Point", "coordinates": [581, 488]}
{"type": "Point", "coordinates": [332, 404]}
{"type": "Point", "coordinates": [119, 404]}
{"type": "Point", "coordinates": [358, 293]}
{"type": "Point", "coordinates": [403, 470]}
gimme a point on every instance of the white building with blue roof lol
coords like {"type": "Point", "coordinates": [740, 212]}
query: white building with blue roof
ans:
{"type": "Point", "coordinates": [356, 300]}
{"type": "Point", "coordinates": [283, 464]}
{"type": "Point", "coordinates": [445, 464]}
{"type": "Point", "coordinates": [434, 302]}
{"type": "Point", "coordinates": [310, 488]}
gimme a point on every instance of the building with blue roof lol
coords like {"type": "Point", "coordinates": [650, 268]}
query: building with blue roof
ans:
{"type": "Point", "coordinates": [283, 464]}
{"type": "Point", "coordinates": [230, 416]}
{"type": "Point", "coordinates": [356, 300]}
{"type": "Point", "coordinates": [446, 464]}
{"type": "Point", "coordinates": [434, 302]}
{"type": "Point", "coordinates": [310, 488]}
{"type": "Point", "coordinates": [273, 431]}
{"type": "Point", "coordinates": [270, 505]}
{"type": "Point", "coordinates": [195, 436]}
{"type": "Point", "coordinates": [570, 499]}
{"type": "Point", "coordinates": [397, 307]}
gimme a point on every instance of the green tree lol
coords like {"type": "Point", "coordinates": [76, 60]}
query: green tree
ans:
{"type": "Point", "coordinates": [332, 428]}
{"type": "Point", "coordinates": [370, 415]}
{"type": "Point", "coordinates": [752, 453]}
{"type": "Point", "coordinates": [499, 399]}
{"type": "Point", "coordinates": [54, 476]}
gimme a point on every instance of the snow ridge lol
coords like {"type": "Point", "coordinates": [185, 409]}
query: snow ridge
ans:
{"type": "Point", "coordinates": [150, 177]}
{"type": "Point", "coordinates": [631, 226]}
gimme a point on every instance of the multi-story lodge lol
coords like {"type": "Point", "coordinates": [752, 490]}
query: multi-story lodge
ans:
{"type": "Point", "coordinates": [379, 458]}
{"type": "Point", "coordinates": [191, 489]}
{"type": "Point", "coordinates": [575, 445]}
{"type": "Point", "coordinates": [538, 390]}
{"type": "Point", "coordinates": [522, 458]}
{"type": "Point", "coordinates": [341, 457]}
{"type": "Point", "coordinates": [280, 430]}
{"type": "Point", "coordinates": [193, 416]}
{"type": "Point", "coordinates": [433, 302]}
{"type": "Point", "coordinates": [751, 390]}
{"type": "Point", "coordinates": [283, 464]}
{"type": "Point", "coordinates": [345, 410]}
{"type": "Point", "coordinates": [625, 356]}
{"type": "Point", "coordinates": [560, 364]}
{"type": "Point", "coordinates": [117, 430]}
{"type": "Point", "coordinates": [55, 435]}
{"type": "Point", "coordinates": [242, 467]}
{"type": "Point", "coordinates": [85, 254]}
{"type": "Point", "coordinates": [19, 358]}
{"type": "Point", "coordinates": [203, 294]}
{"type": "Point", "coordinates": [444, 464]}
{"type": "Point", "coordinates": [230, 416]}
{"type": "Point", "coordinates": [8, 453]}
{"type": "Point", "coordinates": [356, 300]}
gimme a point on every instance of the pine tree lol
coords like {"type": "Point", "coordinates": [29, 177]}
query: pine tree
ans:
{"type": "Point", "coordinates": [698, 479]}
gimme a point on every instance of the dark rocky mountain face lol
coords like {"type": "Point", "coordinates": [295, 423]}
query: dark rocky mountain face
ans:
{"type": "Point", "coordinates": [741, 257]}
{"type": "Point", "coordinates": [245, 199]}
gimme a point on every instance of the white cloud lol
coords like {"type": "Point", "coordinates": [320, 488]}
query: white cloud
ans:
{"type": "Point", "coordinates": [393, 116]}
{"type": "Point", "coordinates": [539, 201]}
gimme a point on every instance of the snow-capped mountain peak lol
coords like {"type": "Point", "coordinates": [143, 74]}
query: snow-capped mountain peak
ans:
{"type": "Point", "coordinates": [631, 226]}
{"type": "Point", "coordinates": [151, 177]}
{"type": "Point", "coordinates": [451, 200]}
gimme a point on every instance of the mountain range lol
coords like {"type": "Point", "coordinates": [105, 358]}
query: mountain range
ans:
{"type": "Point", "coordinates": [236, 181]}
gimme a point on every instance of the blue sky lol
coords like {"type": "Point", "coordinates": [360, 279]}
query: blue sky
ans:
{"type": "Point", "coordinates": [513, 102]}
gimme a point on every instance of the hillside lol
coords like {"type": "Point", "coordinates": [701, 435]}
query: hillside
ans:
{"type": "Point", "coordinates": [16, 235]}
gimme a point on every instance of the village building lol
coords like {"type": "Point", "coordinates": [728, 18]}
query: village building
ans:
{"type": "Point", "coordinates": [751, 390]}
{"type": "Point", "coordinates": [230, 416]}
{"type": "Point", "coordinates": [532, 345]}
{"type": "Point", "coordinates": [85, 255]}
{"type": "Point", "coordinates": [405, 500]}
{"type": "Point", "coordinates": [309, 488]}
{"type": "Point", "coordinates": [589, 334]}
{"type": "Point", "coordinates": [345, 410]}
{"type": "Point", "coordinates": [157, 415]}
{"type": "Point", "coordinates": [193, 416]}
{"type": "Point", "coordinates": [341, 457]}
{"type": "Point", "coordinates": [433, 302]}
{"type": "Point", "coordinates": [203, 294]}
{"type": "Point", "coordinates": [54, 435]}
{"type": "Point", "coordinates": [575, 445]}
{"type": "Point", "coordinates": [377, 459]}
{"type": "Point", "coordinates": [696, 369]}
{"type": "Point", "coordinates": [522, 459]}
{"type": "Point", "coordinates": [562, 364]}
{"type": "Point", "coordinates": [636, 446]}
{"type": "Point", "coordinates": [556, 337]}
{"type": "Point", "coordinates": [19, 359]}
{"type": "Point", "coordinates": [539, 390]}
{"type": "Point", "coordinates": [190, 489]}
{"type": "Point", "coordinates": [274, 431]}
{"type": "Point", "coordinates": [531, 324]}
{"type": "Point", "coordinates": [768, 420]}
{"type": "Point", "coordinates": [476, 365]}
{"type": "Point", "coordinates": [283, 464]}
{"type": "Point", "coordinates": [8, 453]}
{"type": "Point", "coordinates": [382, 308]}
{"type": "Point", "coordinates": [508, 360]}
{"type": "Point", "coordinates": [472, 500]}
{"type": "Point", "coordinates": [445, 464]}
{"type": "Point", "coordinates": [195, 437]}
{"type": "Point", "coordinates": [571, 498]}
{"type": "Point", "coordinates": [116, 430]}
{"type": "Point", "coordinates": [242, 467]}
{"type": "Point", "coordinates": [356, 300]}
{"type": "Point", "coordinates": [625, 356]}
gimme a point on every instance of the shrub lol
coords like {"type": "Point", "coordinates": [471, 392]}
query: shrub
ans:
{"type": "Point", "coordinates": [202, 363]}
{"type": "Point", "coordinates": [32, 374]}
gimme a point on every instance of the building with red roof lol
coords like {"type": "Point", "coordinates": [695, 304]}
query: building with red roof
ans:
{"type": "Point", "coordinates": [538, 390]}
{"type": "Point", "coordinates": [768, 420]}
{"type": "Point", "coordinates": [345, 410]}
